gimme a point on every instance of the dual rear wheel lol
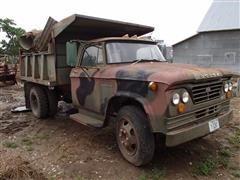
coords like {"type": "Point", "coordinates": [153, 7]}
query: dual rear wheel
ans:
{"type": "Point", "coordinates": [43, 102]}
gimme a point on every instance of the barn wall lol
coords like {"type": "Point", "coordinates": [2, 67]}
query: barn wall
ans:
{"type": "Point", "coordinates": [210, 49]}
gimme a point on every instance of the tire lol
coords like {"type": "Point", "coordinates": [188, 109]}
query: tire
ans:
{"type": "Point", "coordinates": [52, 103]}
{"type": "Point", "coordinates": [134, 137]}
{"type": "Point", "coordinates": [38, 102]}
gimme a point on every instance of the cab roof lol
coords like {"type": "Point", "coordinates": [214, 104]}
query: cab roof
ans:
{"type": "Point", "coordinates": [123, 38]}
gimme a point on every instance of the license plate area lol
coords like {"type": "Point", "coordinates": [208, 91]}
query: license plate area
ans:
{"type": "Point", "coordinates": [213, 125]}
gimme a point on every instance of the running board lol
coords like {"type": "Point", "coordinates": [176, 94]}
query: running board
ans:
{"type": "Point", "coordinates": [87, 120]}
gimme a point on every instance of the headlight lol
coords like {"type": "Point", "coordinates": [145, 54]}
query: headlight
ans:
{"type": "Point", "coordinates": [175, 98]}
{"type": "Point", "coordinates": [226, 87]}
{"type": "Point", "coordinates": [230, 86]}
{"type": "Point", "coordinates": [185, 97]}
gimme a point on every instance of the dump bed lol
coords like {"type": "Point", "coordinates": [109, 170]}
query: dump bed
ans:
{"type": "Point", "coordinates": [44, 59]}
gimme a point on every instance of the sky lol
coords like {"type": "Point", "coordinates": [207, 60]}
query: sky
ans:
{"type": "Point", "coordinates": [174, 20]}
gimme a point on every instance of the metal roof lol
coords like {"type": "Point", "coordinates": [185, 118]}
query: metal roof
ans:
{"type": "Point", "coordinates": [222, 15]}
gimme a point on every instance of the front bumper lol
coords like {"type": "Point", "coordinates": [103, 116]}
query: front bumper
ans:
{"type": "Point", "coordinates": [179, 136]}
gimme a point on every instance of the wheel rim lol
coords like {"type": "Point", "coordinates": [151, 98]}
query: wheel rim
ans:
{"type": "Point", "coordinates": [127, 136]}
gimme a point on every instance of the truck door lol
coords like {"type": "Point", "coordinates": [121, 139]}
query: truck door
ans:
{"type": "Point", "coordinates": [84, 86]}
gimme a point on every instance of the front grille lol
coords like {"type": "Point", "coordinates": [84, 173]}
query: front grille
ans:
{"type": "Point", "coordinates": [207, 111]}
{"type": "Point", "coordinates": [206, 91]}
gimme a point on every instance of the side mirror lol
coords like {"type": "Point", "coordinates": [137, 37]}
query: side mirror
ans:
{"type": "Point", "coordinates": [72, 53]}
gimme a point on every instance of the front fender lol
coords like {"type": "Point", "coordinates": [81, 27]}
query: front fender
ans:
{"type": "Point", "coordinates": [137, 98]}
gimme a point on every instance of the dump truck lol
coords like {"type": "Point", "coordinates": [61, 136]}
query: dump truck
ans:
{"type": "Point", "coordinates": [113, 75]}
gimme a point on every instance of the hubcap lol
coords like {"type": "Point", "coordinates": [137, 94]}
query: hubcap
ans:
{"type": "Point", "coordinates": [127, 136]}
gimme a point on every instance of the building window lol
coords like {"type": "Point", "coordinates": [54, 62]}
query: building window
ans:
{"type": "Point", "coordinates": [229, 57]}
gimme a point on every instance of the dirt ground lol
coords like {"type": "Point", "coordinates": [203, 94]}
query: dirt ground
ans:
{"type": "Point", "coordinates": [60, 148]}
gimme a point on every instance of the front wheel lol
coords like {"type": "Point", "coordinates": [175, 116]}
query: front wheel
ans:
{"type": "Point", "coordinates": [134, 137]}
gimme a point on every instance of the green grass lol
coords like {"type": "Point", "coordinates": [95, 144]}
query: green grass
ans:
{"type": "Point", "coordinates": [29, 148]}
{"type": "Point", "coordinates": [9, 144]}
{"type": "Point", "coordinates": [206, 167]}
{"type": "Point", "coordinates": [235, 138]}
{"type": "Point", "coordinates": [225, 153]}
{"type": "Point", "coordinates": [236, 173]}
{"type": "Point", "coordinates": [27, 141]}
{"type": "Point", "coordinates": [154, 174]}
{"type": "Point", "coordinates": [223, 157]}
{"type": "Point", "coordinates": [210, 164]}
{"type": "Point", "coordinates": [142, 177]}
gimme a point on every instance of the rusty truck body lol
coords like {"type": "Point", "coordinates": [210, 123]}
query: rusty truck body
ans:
{"type": "Point", "coordinates": [111, 77]}
{"type": "Point", "coordinates": [7, 71]}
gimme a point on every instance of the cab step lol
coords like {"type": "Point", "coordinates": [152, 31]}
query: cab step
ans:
{"type": "Point", "coordinates": [87, 120]}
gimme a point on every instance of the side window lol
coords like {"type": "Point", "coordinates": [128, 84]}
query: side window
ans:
{"type": "Point", "coordinates": [92, 56]}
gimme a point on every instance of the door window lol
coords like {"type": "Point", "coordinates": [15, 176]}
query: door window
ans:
{"type": "Point", "coordinates": [92, 56]}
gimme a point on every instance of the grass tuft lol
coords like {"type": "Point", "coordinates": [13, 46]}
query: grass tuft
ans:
{"type": "Point", "coordinates": [206, 167]}
{"type": "Point", "coordinates": [154, 174]}
{"type": "Point", "coordinates": [235, 138]}
{"type": "Point", "coordinates": [9, 144]}
{"type": "Point", "coordinates": [27, 141]}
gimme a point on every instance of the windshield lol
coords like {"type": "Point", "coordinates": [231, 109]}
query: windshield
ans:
{"type": "Point", "coordinates": [122, 52]}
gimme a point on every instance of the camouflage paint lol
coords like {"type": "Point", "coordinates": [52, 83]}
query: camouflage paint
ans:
{"type": "Point", "coordinates": [131, 80]}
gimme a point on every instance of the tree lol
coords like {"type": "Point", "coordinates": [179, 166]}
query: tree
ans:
{"type": "Point", "coordinates": [10, 45]}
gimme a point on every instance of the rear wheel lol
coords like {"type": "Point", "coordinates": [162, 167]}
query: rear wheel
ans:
{"type": "Point", "coordinates": [134, 137]}
{"type": "Point", "coordinates": [52, 103]}
{"type": "Point", "coordinates": [38, 102]}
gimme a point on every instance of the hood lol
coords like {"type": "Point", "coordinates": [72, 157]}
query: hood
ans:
{"type": "Point", "coordinates": [162, 72]}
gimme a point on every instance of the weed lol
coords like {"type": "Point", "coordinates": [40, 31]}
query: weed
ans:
{"type": "Point", "coordinates": [223, 157]}
{"type": "Point", "coordinates": [154, 174]}
{"type": "Point", "coordinates": [235, 138]}
{"type": "Point", "coordinates": [206, 167]}
{"type": "Point", "coordinates": [158, 174]}
{"type": "Point", "coordinates": [80, 178]}
{"type": "Point", "coordinates": [223, 161]}
{"type": "Point", "coordinates": [225, 153]}
{"type": "Point", "coordinates": [236, 173]}
{"type": "Point", "coordinates": [29, 148]}
{"type": "Point", "coordinates": [209, 164]}
{"type": "Point", "coordinates": [142, 177]}
{"type": "Point", "coordinates": [27, 141]}
{"type": "Point", "coordinates": [9, 144]}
